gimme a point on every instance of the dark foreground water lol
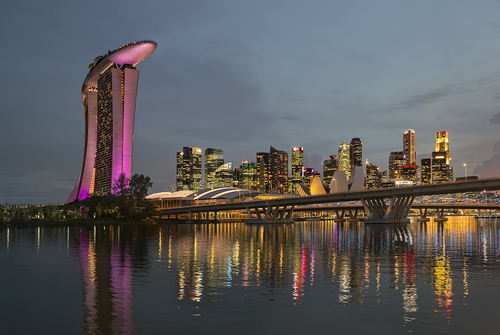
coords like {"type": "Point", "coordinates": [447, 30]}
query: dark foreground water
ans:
{"type": "Point", "coordinates": [309, 277]}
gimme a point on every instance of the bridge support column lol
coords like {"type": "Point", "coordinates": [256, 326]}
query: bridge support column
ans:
{"type": "Point", "coordinates": [423, 215]}
{"type": "Point", "coordinates": [440, 215]}
{"type": "Point", "coordinates": [270, 214]}
{"type": "Point", "coordinates": [377, 210]}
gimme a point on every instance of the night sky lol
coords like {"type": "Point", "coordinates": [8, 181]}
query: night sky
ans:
{"type": "Point", "coordinates": [244, 75]}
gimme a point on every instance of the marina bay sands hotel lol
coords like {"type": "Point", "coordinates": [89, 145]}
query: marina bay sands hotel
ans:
{"type": "Point", "coordinates": [109, 95]}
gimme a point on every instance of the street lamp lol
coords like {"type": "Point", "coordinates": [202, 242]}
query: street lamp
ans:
{"type": "Point", "coordinates": [465, 166]}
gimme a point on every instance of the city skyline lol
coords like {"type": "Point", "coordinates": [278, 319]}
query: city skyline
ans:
{"type": "Point", "coordinates": [244, 76]}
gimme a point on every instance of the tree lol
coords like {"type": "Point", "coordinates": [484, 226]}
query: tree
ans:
{"type": "Point", "coordinates": [121, 186]}
{"type": "Point", "coordinates": [139, 185]}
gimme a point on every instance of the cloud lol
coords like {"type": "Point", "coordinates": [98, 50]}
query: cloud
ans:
{"type": "Point", "coordinates": [428, 97]}
{"type": "Point", "coordinates": [495, 119]}
{"type": "Point", "coordinates": [489, 168]}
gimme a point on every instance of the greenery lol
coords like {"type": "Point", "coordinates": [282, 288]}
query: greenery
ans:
{"type": "Point", "coordinates": [126, 203]}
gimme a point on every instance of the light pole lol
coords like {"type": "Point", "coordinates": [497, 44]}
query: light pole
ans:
{"type": "Point", "coordinates": [465, 166]}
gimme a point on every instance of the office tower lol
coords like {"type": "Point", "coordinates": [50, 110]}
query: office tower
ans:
{"type": "Point", "coordinates": [372, 176]}
{"type": "Point", "coordinates": [247, 176]}
{"type": "Point", "coordinates": [410, 173]}
{"type": "Point", "coordinates": [189, 176]}
{"type": "Point", "coordinates": [263, 171]}
{"type": "Point", "coordinates": [297, 166]}
{"type": "Point", "coordinates": [278, 171]}
{"type": "Point", "coordinates": [397, 160]}
{"type": "Point", "coordinates": [180, 168]}
{"type": "Point", "coordinates": [409, 146]}
{"type": "Point", "coordinates": [345, 158]}
{"type": "Point", "coordinates": [214, 158]}
{"type": "Point", "coordinates": [308, 173]}
{"type": "Point", "coordinates": [442, 144]}
{"type": "Point", "coordinates": [426, 171]}
{"type": "Point", "coordinates": [439, 170]}
{"type": "Point", "coordinates": [329, 167]}
{"type": "Point", "coordinates": [356, 152]}
{"type": "Point", "coordinates": [224, 175]}
{"type": "Point", "coordinates": [109, 94]}
{"type": "Point", "coordinates": [297, 160]}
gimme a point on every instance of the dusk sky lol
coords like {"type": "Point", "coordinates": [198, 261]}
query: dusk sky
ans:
{"type": "Point", "coordinates": [246, 75]}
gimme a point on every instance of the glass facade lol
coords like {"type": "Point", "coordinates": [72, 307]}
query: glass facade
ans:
{"type": "Point", "coordinates": [189, 176]}
{"type": "Point", "coordinates": [409, 146]}
{"type": "Point", "coordinates": [278, 171]}
{"type": "Point", "coordinates": [397, 160]}
{"type": "Point", "coordinates": [356, 151]}
{"type": "Point", "coordinates": [214, 158]}
{"type": "Point", "coordinates": [345, 158]}
{"type": "Point", "coordinates": [329, 167]}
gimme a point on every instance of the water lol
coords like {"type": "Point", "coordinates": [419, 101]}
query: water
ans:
{"type": "Point", "coordinates": [309, 277]}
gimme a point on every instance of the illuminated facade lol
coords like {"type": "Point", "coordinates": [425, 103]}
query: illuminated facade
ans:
{"type": "Point", "coordinates": [397, 161]}
{"type": "Point", "coordinates": [440, 170]}
{"type": "Point", "coordinates": [278, 171]}
{"type": "Point", "coordinates": [426, 171]}
{"type": "Point", "coordinates": [224, 175]}
{"type": "Point", "coordinates": [214, 158]}
{"type": "Point", "coordinates": [329, 167]}
{"type": "Point", "coordinates": [372, 176]}
{"type": "Point", "coordinates": [409, 146]}
{"type": "Point", "coordinates": [189, 169]}
{"type": "Point", "coordinates": [345, 158]}
{"type": "Point", "coordinates": [109, 96]}
{"type": "Point", "coordinates": [263, 171]}
{"type": "Point", "coordinates": [443, 144]}
{"type": "Point", "coordinates": [247, 176]}
{"type": "Point", "coordinates": [297, 167]}
{"type": "Point", "coordinates": [356, 152]}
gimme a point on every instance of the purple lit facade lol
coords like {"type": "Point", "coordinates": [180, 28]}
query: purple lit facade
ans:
{"type": "Point", "coordinates": [109, 96]}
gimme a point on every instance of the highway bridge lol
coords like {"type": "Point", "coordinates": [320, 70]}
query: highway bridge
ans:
{"type": "Point", "coordinates": [389, 205]}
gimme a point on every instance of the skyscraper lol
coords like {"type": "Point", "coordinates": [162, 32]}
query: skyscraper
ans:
{"type": "Point", "coordinates": [397, 161]}
{"type": "Point", "coordinates": [224, 175]}
{"type": "Point", "coordinates": [345, 158]}
{"type": "Point", "coordinates": [442, 144]}
{"type": "Point", "coordinates": [426, 171]}
{"type": "Point", "coordinates": [189, 169]}
{"type": "Point", "coordinates": [214, 158]}
{"type": "Point", "coordinates": [440, 170]}
{"type": "Point", "coordinates": [109, 95]}
{"type": "Point", "coordinates": [297, 160]}
{"type": "Point", "coordinates": [329, 167]}
{"type": "Point", "coordinates": [263, 171]}
{"type": "Point", "coordinates": [356, 152]}
{"type": "Point", "coordinates": [372, 176]}
{"type": "Point", "coordinates": [278, 171]}
{"type": "Point", "coordinates": [409, 146]}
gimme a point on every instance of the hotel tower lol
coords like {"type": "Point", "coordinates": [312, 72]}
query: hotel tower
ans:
{"type": "Point", "coordinates": [109, 94]}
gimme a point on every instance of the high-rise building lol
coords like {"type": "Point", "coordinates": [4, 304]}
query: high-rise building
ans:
{"type": "Point", "coordinates": [263, 171]}
{"type": "Point", "coordinates": [224, 175]}
{"type": "Point", "coordinates": [307, 174]}
{"type": "Point", "coordinates": [409, 146]}
{"type": "Point", "coordinates": [214, 158]}
{"type": "Point", "coordinates": [247, 176]}
{"type": "Point", "coordinates": [397, 160]}
{"type": "Point", "coordinates": [189, 170]}
{"type": "Point", "coordinates": [440, 170]}
{"type": "Point", "coordinates": [372, 176]}
{"type": "Point", "coordinates": [109, 94]}
{"type": "Point", "coordinates": [410, 173]}
{"type": "Point", "coordinates": [443, 144]}
{"type": "Point", "coordinates": [345, 158]}
{"type": "Point", "coordinates": [356, 152]}
{"type": "Point", "coordinates": [426, 171]}
{"type": "Point", "coordinates": [329, 167]}
{"type": "Point", "coordinates": [297, 160]}
{"type": "Point", "coordinates": [278, 171]}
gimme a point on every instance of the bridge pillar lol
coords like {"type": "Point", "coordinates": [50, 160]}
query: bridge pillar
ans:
{"type": "Point", "coordinates": [440, 215]}
{"type": "Point", "coordinates": [377, 211]}
{"type": "Point", "coordinates": [270, 214]}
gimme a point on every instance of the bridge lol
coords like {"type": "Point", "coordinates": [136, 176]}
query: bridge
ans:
{"type": "Point", "coordinates": [389, 205]}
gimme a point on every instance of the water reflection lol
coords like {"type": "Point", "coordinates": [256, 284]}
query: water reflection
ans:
{"type": "Point", "coordinates": [420, 272]}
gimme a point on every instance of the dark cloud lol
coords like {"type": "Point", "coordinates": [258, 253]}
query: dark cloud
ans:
{"type": "Point", "coordinates": [490, 167]}
{"type": "Point", "coordinates": [427, 98]}
{"type": "Point", "coordinates": [495, 119]}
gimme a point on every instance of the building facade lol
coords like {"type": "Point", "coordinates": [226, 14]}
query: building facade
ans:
{"type": "Point", "coordinates": [278, 171]}
{"type": "Point", "coordinates": [109, 97]}
{"type": "Point", "coordinates": [356, 152]}
{"type": "Point", "coordinates": [329, 167]}
{"type": "Point", "coordinates": [409, 146]}
{"type": "Point", "coordinates": [189, 169]}
{"type": "Point", "coordinates": [214, 158]}
{"type": "Point", "coordinates": [345, 158]}
{"type": "Point", "coordinates": [397, 160]}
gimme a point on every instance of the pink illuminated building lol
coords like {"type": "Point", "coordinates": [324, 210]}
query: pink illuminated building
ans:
{"type": "Point", "coordinates": [109, 94]}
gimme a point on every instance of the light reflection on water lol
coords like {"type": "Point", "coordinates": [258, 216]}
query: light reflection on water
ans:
{"type": "Point", "coordinates": [421, 277]}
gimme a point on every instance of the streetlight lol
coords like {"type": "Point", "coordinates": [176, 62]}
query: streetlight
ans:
{"type": "Point", "coordinates": [465, 166]}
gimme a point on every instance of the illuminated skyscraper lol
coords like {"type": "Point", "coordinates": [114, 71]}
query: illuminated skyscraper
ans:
{"type": "Point", "coordinates": [224, 175]}
{"type": "Point", "coordinates": [397, 161]}
{"type": "Point", "coordinates": [345, 158]}
{"type": "Point", "coordinates": [189, 170]}
{"type": "Point", "coordinates": [247, 176]}
{"type": "Point", "coordinates": [278, 171]}
{"type": "Point", "coordinates": [409, 146]}
{"type": "Point", "coordinates": [440, 170]}
{"type": "Point", "coordinates": [214, 158]}
{"type": "Point", "coordinates": [109, 95]}
{"type": "Point", "coordinates": [356, 152]}
{"type": "Point", "coordinates": [426, 171]}
{"type": "Point", "coordinates": [297, 160]}
{"type": "Point", "coordinates": [442, 144]}
{"type": "Point", "coordinates": [329, 167]}
{"type": "Point", "coordinates": [263, 171]}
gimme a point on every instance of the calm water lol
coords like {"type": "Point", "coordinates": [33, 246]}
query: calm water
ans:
{"type": "Point", "coordinates": [309, 277]}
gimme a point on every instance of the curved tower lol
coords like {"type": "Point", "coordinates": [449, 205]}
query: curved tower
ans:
{"type": "Point", "coordinates": [108, 95]}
